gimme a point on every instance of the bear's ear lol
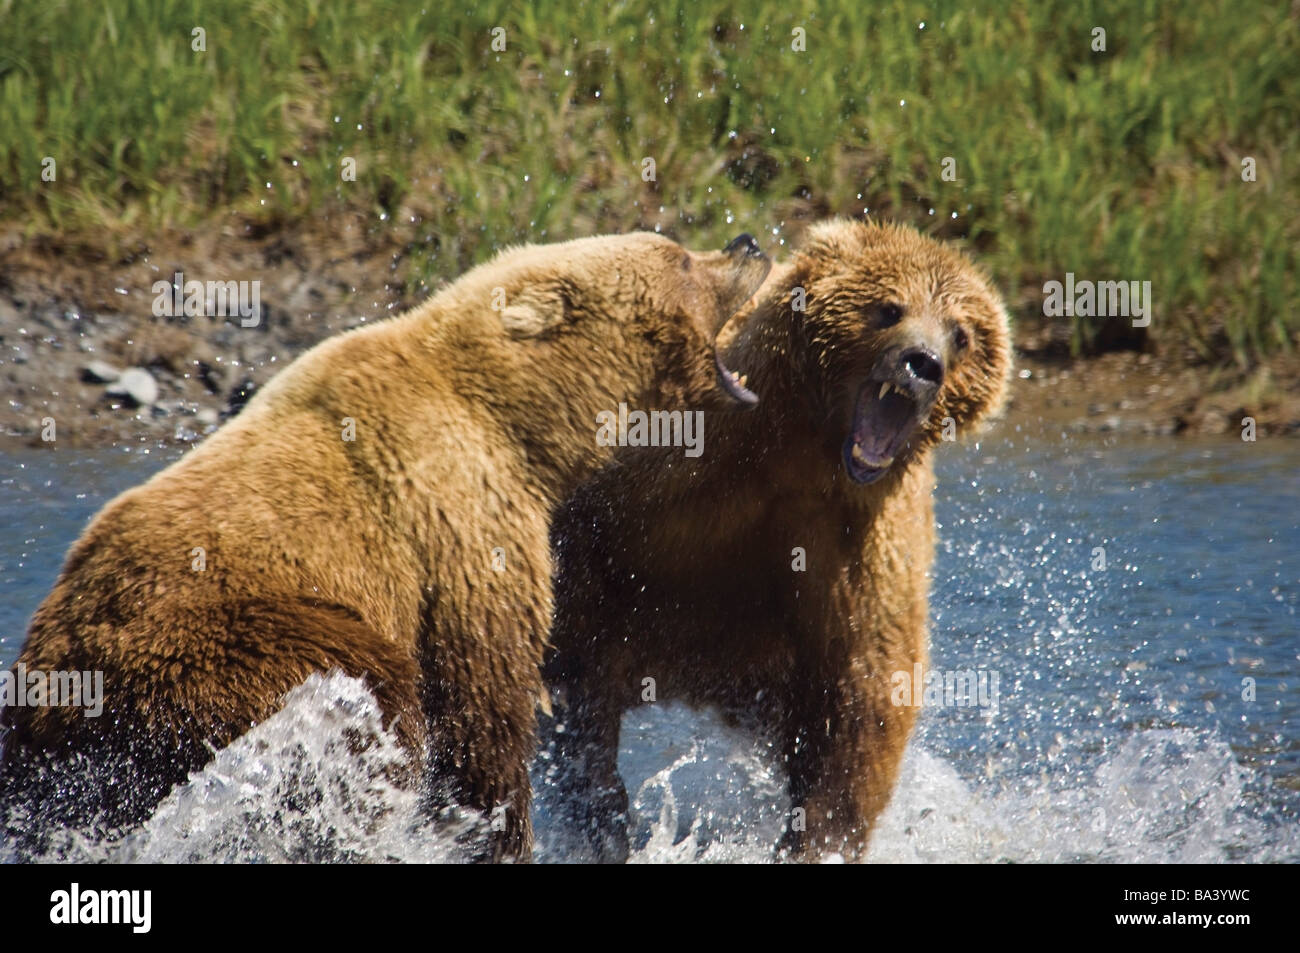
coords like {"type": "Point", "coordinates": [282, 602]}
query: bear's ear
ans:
{"type": "Point", "coordinates": [836, 239]}
{"type": "Point", "coordinates": [535, 309]}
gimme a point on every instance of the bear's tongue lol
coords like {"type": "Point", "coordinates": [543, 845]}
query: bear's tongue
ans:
{"type": "Point", "coordinates": [880, 425]}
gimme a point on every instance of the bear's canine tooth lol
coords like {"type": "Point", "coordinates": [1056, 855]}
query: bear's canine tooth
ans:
{"type": "Point", "coordinates": [884, 389]}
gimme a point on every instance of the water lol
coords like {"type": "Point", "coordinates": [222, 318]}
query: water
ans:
{"type": "Point", "coordinates": [1124, 729]}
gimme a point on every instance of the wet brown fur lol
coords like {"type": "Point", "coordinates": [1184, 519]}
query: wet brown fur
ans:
{"type": "Point", "coordinates": [415, 556]}
{"type": "Point", "coordinates": [681, 570]}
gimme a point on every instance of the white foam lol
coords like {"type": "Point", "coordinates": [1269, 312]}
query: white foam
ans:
{"type": "Point", "coordinates": [308, 785]}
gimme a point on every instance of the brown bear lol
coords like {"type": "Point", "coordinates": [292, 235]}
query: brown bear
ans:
{"type": "Point", "coordinates": [782, 577]}
{"type": "Point", "coordinates": [382, 507]}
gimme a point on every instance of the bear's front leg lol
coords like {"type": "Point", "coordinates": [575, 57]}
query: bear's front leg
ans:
{"type": "Point", "coordinates": [587, 797]}
{"type": "Point", "coordinates": [481, 647]}
{"type": "Point", "coordinates": [480, 745]}
{"type": "Point", "coordinates": [843, 744]}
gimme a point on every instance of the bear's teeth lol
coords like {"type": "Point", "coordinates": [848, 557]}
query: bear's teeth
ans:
{"type": "Point", "coordinates": [884, 389]}
{"type": "Point", "coordinates": [743, 379]}
{"type": "Point", "coordinates": [862, 458]}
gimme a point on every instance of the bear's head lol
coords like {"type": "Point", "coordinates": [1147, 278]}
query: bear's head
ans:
{"type": "Point", "coordinates": [641, 304]}
{"type": "Point", "coordinates": [903, 341]}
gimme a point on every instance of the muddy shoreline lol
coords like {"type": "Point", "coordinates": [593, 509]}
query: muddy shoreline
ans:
{"type": "Point", "coordinates": [75, 316]}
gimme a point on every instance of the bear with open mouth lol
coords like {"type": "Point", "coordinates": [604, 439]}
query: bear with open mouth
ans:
{"type": "Point", "coordinates": [783, 576]}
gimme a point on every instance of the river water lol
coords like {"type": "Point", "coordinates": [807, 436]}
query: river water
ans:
{"type": "Point", "coordinates": [1133, 604]}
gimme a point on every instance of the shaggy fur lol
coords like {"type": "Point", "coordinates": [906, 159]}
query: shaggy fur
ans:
{"type": "Point", "coordinates": [685, 571]}
{"type": "Point", "coordinates": [415, 556]}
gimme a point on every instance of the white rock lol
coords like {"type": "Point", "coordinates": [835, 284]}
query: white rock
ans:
{"type": "Point", "coordinates": [136, 384]}
{"type": "Point", "coordinates": [99, 372]}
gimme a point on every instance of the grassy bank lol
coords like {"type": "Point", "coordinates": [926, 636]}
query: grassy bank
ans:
{"type": "Point", "coordinates": [1123, 164]}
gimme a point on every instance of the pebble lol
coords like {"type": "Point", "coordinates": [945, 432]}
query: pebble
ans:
{"type": "Point", "coordinates": [99, 372]}
{"type": "Point", "coordinates": [136, 384]}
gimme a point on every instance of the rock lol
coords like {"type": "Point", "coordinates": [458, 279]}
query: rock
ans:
{"type": "Point", "coordinates": [239, 396]}
{"type": "Point", "coordinates": [137, 385]}
{"type": "Point", "coordinates": [99, 372]}
{"type": "Point", "coordinates": [210, 375]}
{"type": "Point", "coordinates": [1110, 425]}
{"type": "Point", "coordinates": [207, 416]}
{"type": "Point", "coordinates": [1213, 421]}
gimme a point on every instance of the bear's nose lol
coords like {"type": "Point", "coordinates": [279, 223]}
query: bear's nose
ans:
{"type": "Point", "coordinates": [924, 364]}
{"type": "Point", "coordinates": [744, 243]}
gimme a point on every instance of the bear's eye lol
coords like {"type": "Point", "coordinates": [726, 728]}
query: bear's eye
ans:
{"type": "Point", "coordinates": [889, 314]}
{"type": "Point", "coordinates": [960, 338]}
{"type": "Point", "coordinates": [686, 263]}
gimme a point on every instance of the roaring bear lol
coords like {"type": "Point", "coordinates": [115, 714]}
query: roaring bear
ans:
{"type": "Point", "coordinates": [382, 507]}
{"type": "Point", "coordinates": [782, 577]}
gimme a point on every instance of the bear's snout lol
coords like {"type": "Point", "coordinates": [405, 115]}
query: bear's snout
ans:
{"type": "Point", "coordinates": [744, 245]}
{"type": "Point", "coordinates": [924, 365]}
{"type": "Point", "coordinates": [915, 370]}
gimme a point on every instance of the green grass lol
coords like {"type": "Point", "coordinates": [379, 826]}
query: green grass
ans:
{"type": "Point", "coordinates": [1123, 164]}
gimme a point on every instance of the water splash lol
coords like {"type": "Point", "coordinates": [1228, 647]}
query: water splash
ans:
{"type": "Point", "coordinates": [1165, 796]}
{"type": "Point", "coordinates": [310, 785]}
